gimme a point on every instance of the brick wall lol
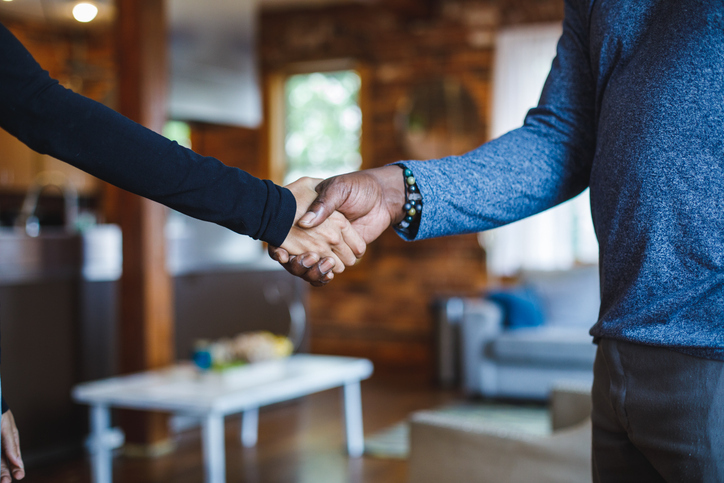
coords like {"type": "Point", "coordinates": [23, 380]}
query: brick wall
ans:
{"type": "Point", "coordinates": [235, 146]}
{"type": "Point", "coordinates": [82, 60]}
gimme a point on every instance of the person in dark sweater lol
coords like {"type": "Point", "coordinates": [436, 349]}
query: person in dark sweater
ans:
{"type": "Point", "coordinates": [633, 108]}
{"type": "Point", "coordinates": [86, 134]}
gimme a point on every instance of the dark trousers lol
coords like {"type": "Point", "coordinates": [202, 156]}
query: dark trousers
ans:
{"type": "Point", "coordinates": [658, 415]}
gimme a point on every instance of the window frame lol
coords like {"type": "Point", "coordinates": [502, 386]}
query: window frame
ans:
{"type": "Point", "coordinates": [274, 103]}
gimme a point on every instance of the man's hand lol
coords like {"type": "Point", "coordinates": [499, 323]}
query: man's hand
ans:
{"type": "Point", "coordinates": [371, 200]}
{"type": "Point", "coordinates": [11, 462]}
{"type": "Point", "coordinates": [332, 238]}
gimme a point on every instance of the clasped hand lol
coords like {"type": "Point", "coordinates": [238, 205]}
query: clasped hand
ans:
{"type": "Point", "coordinates": [329, 246]}
{"type": "Point", "coordinates": [336, 219]}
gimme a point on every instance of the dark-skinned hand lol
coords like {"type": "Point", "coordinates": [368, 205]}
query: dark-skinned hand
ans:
{"type": "Point", "coordinates": [371, 200]}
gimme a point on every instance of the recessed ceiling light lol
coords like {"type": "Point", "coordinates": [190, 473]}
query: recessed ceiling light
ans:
{"type": "Point", "coordinates": [85, 12]}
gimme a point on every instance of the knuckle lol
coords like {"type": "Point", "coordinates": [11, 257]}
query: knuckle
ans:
{"type": "Point", "coordinates": [360, 250]}
{"type": "Point", "coordinates": [335, 238]}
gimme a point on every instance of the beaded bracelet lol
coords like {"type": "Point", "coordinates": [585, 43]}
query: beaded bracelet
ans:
{"type": "Point", "coordinates": [413, 205]}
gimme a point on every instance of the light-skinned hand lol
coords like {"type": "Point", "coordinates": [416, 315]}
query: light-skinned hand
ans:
{"type": "Point", "coordinates": [11, 461]}
{"type": "Point", "coordinates": [371, 200]}
{"type": "Point", "coordinates": [332, 242]}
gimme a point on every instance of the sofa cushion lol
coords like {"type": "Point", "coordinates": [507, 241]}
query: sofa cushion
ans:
{"type": "Point", "coordinates": [569, 298]}
{"type": "Point", "coordinates": [521, 306]}
{"type": "Point", "coordinates": [544, 346]}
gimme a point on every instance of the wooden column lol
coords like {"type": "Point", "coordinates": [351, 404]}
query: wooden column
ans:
{"type": "Point", "coordinates": [146, 329]}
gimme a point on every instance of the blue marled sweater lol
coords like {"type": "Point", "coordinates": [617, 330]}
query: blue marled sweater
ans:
{"type": "Point", "coordinates": [634, 108]}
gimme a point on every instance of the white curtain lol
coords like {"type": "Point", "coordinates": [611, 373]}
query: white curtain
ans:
{"type": "Point", "coordinates": [562, 236]}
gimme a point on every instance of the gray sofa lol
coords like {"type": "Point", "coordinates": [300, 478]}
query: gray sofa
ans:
{"type": "Point", "coordinates": [525, 363]}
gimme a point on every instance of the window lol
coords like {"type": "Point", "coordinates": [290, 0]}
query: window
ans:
{"type": "Point", "coordinates": [323, 124]}
{"type": "Point", "coordinates": [178, 131]}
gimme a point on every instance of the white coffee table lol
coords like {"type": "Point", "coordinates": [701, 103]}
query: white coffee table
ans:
{"type": "Point", "coordinates": [182, 390]}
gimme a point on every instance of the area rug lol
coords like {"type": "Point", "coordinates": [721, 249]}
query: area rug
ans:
{"type": "Point", "coordinates": [393, 442]}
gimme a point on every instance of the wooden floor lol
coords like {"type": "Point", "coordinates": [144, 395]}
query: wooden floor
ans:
{"type": "Point", "coordinates": [299, 442]}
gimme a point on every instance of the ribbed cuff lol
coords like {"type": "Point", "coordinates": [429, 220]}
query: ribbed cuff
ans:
{"type": "Point", "coordinates": [281, 222]}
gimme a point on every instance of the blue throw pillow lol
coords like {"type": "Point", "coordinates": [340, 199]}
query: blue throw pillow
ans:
{"type": "Point", "coordinates": [521, 307]}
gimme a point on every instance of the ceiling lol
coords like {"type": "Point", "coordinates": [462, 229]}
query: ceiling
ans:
{"type": "Point", "coordinates": [280, 4]}
{"type": "Point", "coordinates": [60, 10]}
{"type": "Point", "coordinates": [213, 71]}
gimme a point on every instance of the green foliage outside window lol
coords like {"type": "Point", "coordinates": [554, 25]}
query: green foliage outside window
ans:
{"type": "Point", "coordinates": [323, 124]}
{"type": "Point", "coordinates": [178, 131]}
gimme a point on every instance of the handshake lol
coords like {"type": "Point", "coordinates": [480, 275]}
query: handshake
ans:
{"type": "Point", "coordinates": [337, 218]}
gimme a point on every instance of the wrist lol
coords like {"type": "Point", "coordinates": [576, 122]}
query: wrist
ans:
{"type": "Point", "coordinates": [412, 209]}
{"type": "Point", "coordinates": [304, 194]}
{"type": "Point", "coordinates": [392, 183]}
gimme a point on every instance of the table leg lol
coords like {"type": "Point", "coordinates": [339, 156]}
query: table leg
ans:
{"type": "Point", "coordinates": [249, 427]}
{"type": "Point", "coordinates": [214, 452]}
{"type": "Point", "coordinates": [353, 419]}
{"type": "Point", "coordinates": [100, 419]}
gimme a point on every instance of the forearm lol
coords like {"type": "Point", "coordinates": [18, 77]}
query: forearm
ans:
{"type": "Point", "coordinates": [114, 149]}
{"type": "Point", "coordinates": [53, 120]}
{"type": "Point", "coordinates": [510, 178]}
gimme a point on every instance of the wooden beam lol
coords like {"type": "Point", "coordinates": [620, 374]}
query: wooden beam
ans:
{"type": "Point", "coordinates": [146, 294]}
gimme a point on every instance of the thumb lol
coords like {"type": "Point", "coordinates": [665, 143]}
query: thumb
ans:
{"type": "Point", "coordinates": [331, 194]}
{"type": "Point", "coordinates": [278, 254]}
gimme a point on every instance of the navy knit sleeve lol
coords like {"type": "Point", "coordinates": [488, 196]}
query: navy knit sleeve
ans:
{"type": "Point", "coordinates": [4, 405]}
{"type": "Point", "coordinates": [86, 134]}
{"type": "Point", "coordinates": [528, 170]}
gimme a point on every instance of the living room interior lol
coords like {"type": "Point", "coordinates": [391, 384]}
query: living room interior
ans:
{"type": "Point", "coordinates": [479, 343]}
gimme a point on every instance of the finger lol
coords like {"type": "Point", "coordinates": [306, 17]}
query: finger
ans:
{"type": "Point", "coordinates": [290, 267]}
{"type": "Point", "coordinates": [332, 194]}
{"type": "Point", "coordinates": [4, 472]}
{"type": "Point", "coordinates": [345, 255]}
{"type": "Point", "coordinates": [339, 265]}
{"type": "Point", "coordinates": [321, 273]}
{"type": "Point", "coordinates": [11, 443]}
{"type": "Point", "coordinates": [278, 254]}
{"type": "Point", "coordinates": [343, 240]}
{"type": "Point", "coordinates": [300, 265]}
{"type": "Point", "coordinates": [317, 275]}
{"type": "Point", "coordinates": [354, 241]}
{"type": "Point", "coordinates": [17, 467]}
{"type": "Point", "coordinates": [324, 280]}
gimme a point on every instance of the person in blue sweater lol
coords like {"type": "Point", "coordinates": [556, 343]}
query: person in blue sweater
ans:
{"type": "Point", "coordinates": [56, 121]}
{"type": "Point", "coordinates": [633, 109]}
